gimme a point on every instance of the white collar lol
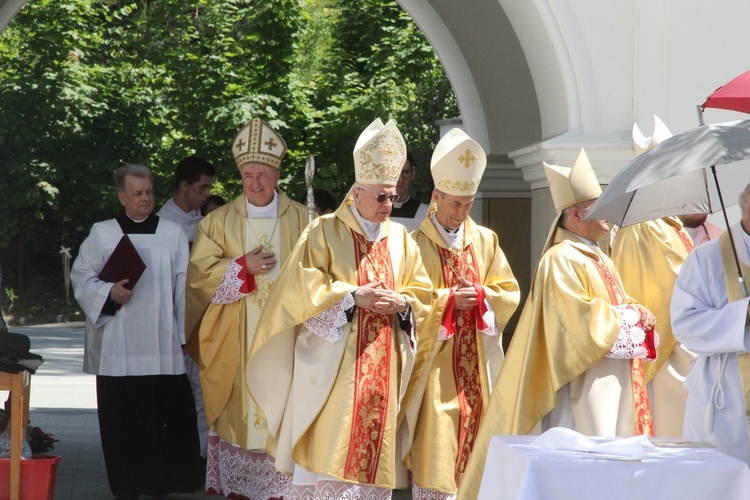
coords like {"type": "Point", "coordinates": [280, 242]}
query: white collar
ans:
{"type": "Point", "coordinates": [269, 211]}
{"type": "Point", "coordinates": [454, 240]}
{"type": "Point", "coordinates": [399, 204]}
{"type": "Point", "coordinates": [373, 230]}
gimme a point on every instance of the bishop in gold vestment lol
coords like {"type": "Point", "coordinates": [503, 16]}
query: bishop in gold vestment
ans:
{"type": "Point", "coordinates": [648, 257]}
{"type": "Point", "coordinates": [476, 294]}
{"type": "Point", "coordinates": [576, 357]}
{"type": "Point", "coordinates": [236, 257]}
{"type": "Point", "coordinates": [328, 366]}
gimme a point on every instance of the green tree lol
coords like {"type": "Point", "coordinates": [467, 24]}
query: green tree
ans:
{"type": "Point", "coordinates": [88, 85]}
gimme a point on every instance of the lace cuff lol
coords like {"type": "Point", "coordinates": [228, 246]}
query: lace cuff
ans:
{"type": "Point", "coordinates": [328, 324]}
{"type": "Point", "coordinates": [488, 323]}
{"type": "Point", "coordinates": [235, 283]}
{"type": "Point", "coordinates": [632, 341]}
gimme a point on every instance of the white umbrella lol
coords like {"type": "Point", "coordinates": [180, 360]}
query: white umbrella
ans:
{"type": "Point", "coordinates": [680, 176]}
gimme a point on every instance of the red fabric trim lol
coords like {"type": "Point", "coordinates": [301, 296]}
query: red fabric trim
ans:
{"type": "Point", "coordinates": [248, 280]}
{"type": "Point", "coordinates": [449, 315]}
{"type": "Point", "coordinates": [650, 344]}
{"type": "Point", "coordinates": [481, 307]}
{"type": "Point", "coordinates": [373, 367]}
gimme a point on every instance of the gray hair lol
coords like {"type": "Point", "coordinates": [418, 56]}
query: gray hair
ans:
{"type": "Point", "coordinates": [130, 169]}
{"type": "Point", "coordinates": [583, 205]}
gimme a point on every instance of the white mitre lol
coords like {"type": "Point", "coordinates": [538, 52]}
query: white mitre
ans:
{"type": "Point", "coordinates": [458, 163]}
{"type": "Point", "coordinates": [379, 154]}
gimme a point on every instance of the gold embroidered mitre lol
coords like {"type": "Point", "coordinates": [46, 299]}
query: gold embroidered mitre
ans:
{"type": "Point", "coordinates": [572, 185]}
{"type": "Point", "coordinates": [641, 143]}
{"type": "Point", "coordinates": [458, 163]}
{"type": "Point", "coordinates": [258, 142]}
{"type": "Point", "coordinates": [379, 154]}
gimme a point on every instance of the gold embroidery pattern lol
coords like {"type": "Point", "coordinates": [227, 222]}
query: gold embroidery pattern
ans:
{"type": "Point", "coordinates": [389, 150]}
{"type": "Point", "coordinates": [371, 384]}
{"type": "Point", "coordinates": [465, 358]}
{"type": "Point", "coordinates": [453, 186]}
{"type": "Point", "coordinates": [643, 420]}
{"type": "Point", "coordinates": [263, 284]}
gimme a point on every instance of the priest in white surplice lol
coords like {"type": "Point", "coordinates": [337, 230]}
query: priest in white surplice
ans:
{"type": "Point", "coordinates": [134, 344]}
{"type": "Point", "coordinates": [710, 317]}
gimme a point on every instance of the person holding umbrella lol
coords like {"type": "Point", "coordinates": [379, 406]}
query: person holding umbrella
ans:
{"type": "Point", "coordinates": [576, 358]}
{"type": "Point", "coordinates": [710, 315]}
{"type": "Point", "coordinates": [648, 256]}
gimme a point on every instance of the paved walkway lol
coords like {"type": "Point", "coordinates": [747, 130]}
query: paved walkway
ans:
{"type": "Point", "coordinates": [63, 403]}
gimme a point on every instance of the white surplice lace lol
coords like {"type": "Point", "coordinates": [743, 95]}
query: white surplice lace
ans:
{"type": "Point", "coordinates": [228, 290]}
{"type": "Point", "coordinates": [328, 324]}
{"type": "Point", "coordinates": [629, 343]}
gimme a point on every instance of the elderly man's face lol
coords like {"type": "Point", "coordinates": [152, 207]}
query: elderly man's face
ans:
{"type": "Point", "coordinates": [138, 197]}
{"type": "Point", "coordinates": [259, 183]}
{"type": "Point", "coordinates": [375, 203]}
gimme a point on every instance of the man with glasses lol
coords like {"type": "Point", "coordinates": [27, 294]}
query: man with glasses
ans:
{"type": "Point", "coordinates": [338, 333]}
{"type": "Point", "coordinates": [407, 210]}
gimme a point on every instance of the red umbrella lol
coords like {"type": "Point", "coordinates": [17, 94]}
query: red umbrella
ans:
{"type": "Point", "coordinates": [735, 95]}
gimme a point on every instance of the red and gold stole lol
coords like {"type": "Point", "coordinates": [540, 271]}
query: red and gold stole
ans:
{"type": "Point", "coordinates": [643, 423]}
{"type": "Point", "coordinates": [372, 372]}
{"type": "Point", "coordinates": [465, 356]}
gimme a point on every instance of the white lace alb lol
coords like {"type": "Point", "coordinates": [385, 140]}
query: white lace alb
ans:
{"type": "Point", "coordinates": [231, 470]}
{"type": "Point", "coordinates": [337, 490]}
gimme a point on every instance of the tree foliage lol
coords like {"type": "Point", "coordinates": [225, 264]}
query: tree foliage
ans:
{"type": "Point", "coordinates": [88, 85]}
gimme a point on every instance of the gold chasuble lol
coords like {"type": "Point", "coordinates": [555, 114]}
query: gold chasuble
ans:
{"type": "Point", "coordinates": [332, 406]}
{"type": "Point", "coordinates": [460, 372]}
{"type": "Point", "coordinates": [222, 333]}
{"type": "Point", "coordinates": [567, 327]}
{"type": "Point", "coordinates": [648, 257]}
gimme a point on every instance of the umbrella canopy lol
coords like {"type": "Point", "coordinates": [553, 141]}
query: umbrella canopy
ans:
{"type": "Point", "coordinates": [735, 95]}
{"type": "Point", "coordinates": [674, 178]}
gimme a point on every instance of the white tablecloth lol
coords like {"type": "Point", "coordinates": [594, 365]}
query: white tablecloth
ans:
{"type": "Point", "coordinates": [517, 470]}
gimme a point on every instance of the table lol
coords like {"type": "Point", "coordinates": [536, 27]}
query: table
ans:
{"type": "Point", "coordinates": [19, 385]}
{"type": "Point", "coordinates": [517, 470]}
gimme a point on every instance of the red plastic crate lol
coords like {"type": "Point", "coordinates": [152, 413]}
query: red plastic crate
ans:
{"type": "Point", "coordinates": [38, 477]}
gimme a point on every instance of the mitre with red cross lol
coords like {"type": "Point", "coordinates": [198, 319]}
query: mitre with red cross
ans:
{"type": "Point", "coordinates": [379, 154]}
{"type": "Point", "coordinates": [458, 163]}
{"type": "Point", "coordinates": [258, 142]}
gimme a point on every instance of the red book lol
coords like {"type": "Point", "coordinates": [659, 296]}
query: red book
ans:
{"type": "Point", "coordinates": [123, 263]}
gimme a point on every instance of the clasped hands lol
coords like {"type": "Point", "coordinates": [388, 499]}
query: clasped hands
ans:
{"type": "Point", "coordinates": [648, 320]}
{"type": "Point", "coordinates": [464, 295]}
{"type": "Point", "coordinates": [378, 298]}
{"type": "Point", "coordinates": [258, 261]}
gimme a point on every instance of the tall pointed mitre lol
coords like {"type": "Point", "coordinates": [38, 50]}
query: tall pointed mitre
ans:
{"type": "Point", "coordinates": [258, 142]}
{"type": "Point", "coordinates": [572, 185]}
{"type": "Point", "coordinates": [641, 143]}
{"type": "Point", "coordinates": [458, 163]}
{"type": "Point", "coordinates": [379, 154]}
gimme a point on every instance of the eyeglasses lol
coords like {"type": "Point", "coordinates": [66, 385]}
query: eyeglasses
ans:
{"type": "Point", "coordinates": [407, 173]}
{"type": "Point", "coordinates": [380, 198]}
